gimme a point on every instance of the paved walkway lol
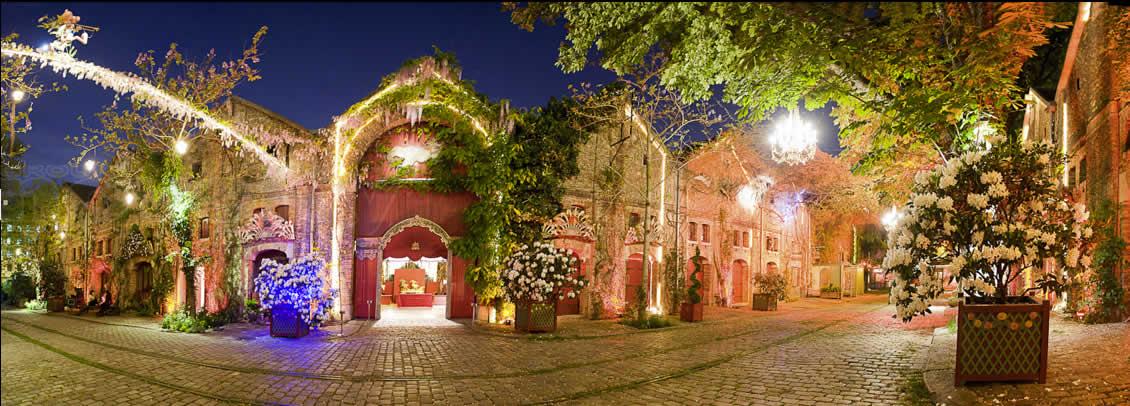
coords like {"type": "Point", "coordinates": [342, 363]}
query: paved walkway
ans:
{"type": "Point", "coordinates": [810, 352]}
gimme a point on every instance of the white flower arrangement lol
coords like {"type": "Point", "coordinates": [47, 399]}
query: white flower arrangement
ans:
{"type": "Point", "coordinates": [541, 273]}
{"type": "Point", "coordinates": [991, 214]}
{"type": "Point", "coordinates": [297, 284]}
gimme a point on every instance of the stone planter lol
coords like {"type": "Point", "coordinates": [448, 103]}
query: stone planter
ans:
{"type": "Point", "coordinates": [536, 318]}
{"type": "Point", "coordinates": [285, 322]}
{"type": "Point", "coordinates": [1002, 342]}
{"type": "Point", "coordinates": [764, 302]}
{"type": "Point", "coordinates": [690, 312]}
{"type": "Point", "coordinates": [830, 295]}
{"type": "Point", "coordinates": [482, 312]}
{"type": "Point", "coordinates": [56, 304]}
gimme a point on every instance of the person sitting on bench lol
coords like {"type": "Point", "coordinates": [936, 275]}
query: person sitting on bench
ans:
{"type": "Point", "coordinates": [104, 305]}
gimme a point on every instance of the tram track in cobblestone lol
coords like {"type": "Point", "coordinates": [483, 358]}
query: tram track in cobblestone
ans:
{"type": "Point", "coordinates": [697, 367]}
{"type": "Point", "coordinates": [376, 377]}
{"type": "Point", "coordinates": [128, 374]}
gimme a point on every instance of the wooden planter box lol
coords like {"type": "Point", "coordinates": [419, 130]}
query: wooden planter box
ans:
{"type": "Point", "coordinates": [764, 302]}
{"type": "Point", "coordinates": [285, 322]}
{"type": "Point", "coordinates": [56, 304]}
{"type": "Point", "coordinates": [830, 295]}
{"type": "Point", "coordinates": [998, 342]}
{"type": "Point", "coordinates": [689, 312]}
{"type": "Point", "coordinates": [536, 318]}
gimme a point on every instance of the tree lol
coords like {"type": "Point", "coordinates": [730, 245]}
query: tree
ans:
{"type": "Point", "coordinates": [142, 138]}
{"type": "Point", "coordinates": [911, 80]}
{"type": "Point", "coordinates": [17, 75]}
{"type": "Point", "coordinates": [991, 214]}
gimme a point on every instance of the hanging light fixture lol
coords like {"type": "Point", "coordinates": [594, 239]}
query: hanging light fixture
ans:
{"type": "Point", "coordinates": [794, 140]}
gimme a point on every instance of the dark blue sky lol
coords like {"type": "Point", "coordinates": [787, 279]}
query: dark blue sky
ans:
{"type": "Point", "coordinates": [316, 59]}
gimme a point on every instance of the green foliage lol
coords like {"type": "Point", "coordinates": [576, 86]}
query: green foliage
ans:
{"type": "Point", "coordinates": [905, 79]}
{"type": "Point", "coordinates": [36, 304]}
{"type": "Point", "coordinates": [19, 286]}
{"type": "Point", "coordinates": [673, 280]}
{"type": "Point", "coordinates": [1105, 291]}
{"type": "Point", "coordinates": [648, 322]}
{"type": "Point", "coordinates": [772, 283]}
{"type": "Point", "coordinates": [52, 279]}
{"type": "Point", "coordinates": [193, 322]}
{"type": "Point", "coordinates": [830, 289]}
{"type": "Point", "coordinates": [694, 291]}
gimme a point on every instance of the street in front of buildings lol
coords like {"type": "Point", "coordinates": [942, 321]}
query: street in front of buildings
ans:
{"type": "Point", "coordinates": [812, 351]}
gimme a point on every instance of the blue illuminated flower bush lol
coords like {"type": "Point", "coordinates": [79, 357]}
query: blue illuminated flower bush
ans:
{"type": "Point", "coordinates": [296, 284]}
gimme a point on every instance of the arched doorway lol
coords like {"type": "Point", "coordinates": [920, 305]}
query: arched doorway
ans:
{"type": "Point", "coordinates": [143, 281]}
{"type": "Point", "coordinates": [633, 279]}
{"type": "Point", "coordinates": [741, 281]}
{"type": "Point", "coordinates": [257, 265]}
{"type": "Point", "coordinates": [572, 305]}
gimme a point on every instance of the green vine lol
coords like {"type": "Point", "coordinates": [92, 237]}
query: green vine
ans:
{"type": "Point", "coordinates": [1105, 293]}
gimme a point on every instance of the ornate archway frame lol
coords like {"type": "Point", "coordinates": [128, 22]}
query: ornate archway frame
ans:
{"type": "Point", "coordinates": [373, 248]}
{"type": "Point", "coordinates": [350, 140]}
{"type": "Point", "coordinates": [253, 249]}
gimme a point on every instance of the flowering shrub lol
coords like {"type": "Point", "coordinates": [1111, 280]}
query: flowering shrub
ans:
{"type": "Point", "coordinates": [772, 283]}
{"type": "Point", "coordinates": [296, 284]}
{"type": "Point", "coordinates": [991, 213]}
{"type": "Point", "coordinates": [540, 273]}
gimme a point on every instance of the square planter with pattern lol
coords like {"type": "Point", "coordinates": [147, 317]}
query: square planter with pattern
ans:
{"type": "Point", "coordinates": [764, 302]}
{"type": "Point", "coordinates": [1002, 342]}
{"type": "Point", "coordinates": [286, 322]}
{"type": "Point", "coordinates": [690, 312]}
{"type": "Point", "coordinates": [536, 318]}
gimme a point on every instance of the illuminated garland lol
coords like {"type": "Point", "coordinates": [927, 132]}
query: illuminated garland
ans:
{"type": "Point", "coordinates": [297, 284]}
{"type": "Point", "coordinates": [60, 57]}
{"type": "Point", "coordinates": [136, 245]}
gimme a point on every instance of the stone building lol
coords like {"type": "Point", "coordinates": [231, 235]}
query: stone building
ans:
{"type": "Point", "coordinates": [1091, 123]}
{"type": "Point", "coordinates": [346, 192]}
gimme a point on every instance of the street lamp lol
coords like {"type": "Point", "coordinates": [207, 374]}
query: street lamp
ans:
{"type": "Point", "coordinates": [129, 198]}
{"type": "Point", "coordinates": [88, 165]}
{"type": "Point", "coordinates": [18, 95]}
{"type": "Point", "coordinates": [794, 140]}
{"type": "Point", "coordinates": [181, 147]}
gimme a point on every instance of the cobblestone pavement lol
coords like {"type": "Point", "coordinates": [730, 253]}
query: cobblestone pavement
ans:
{"type": "Point", "coordinates": [810, 352]}
{"type": "Point", "coordinates": [1087, 365]}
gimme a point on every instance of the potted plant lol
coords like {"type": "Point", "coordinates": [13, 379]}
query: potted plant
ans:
{"type": "Point", "coordinates": [691, 310]}
{"type": "Point", "coordinates": [830, 292]}
{"type": "Point", "coordinates": [992, 214]}
{"type": "Point", "coordinates": [771, 287]}
{"type": "Point", "coordinates": [294, 295]}
{"type": "Point", "coordinates": [538, 276]}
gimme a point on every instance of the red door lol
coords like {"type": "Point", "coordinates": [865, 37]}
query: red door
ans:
{"type": "Point", "coordinates": [741, 281]}
{"type": "Point", "coordinates": [365, 297]}
{"type": "Point", "coordinates": [634, 279]}
{"type": "Point", "coordinates": [571, 305]}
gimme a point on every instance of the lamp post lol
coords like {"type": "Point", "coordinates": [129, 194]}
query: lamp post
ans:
{"type": "Point", "coordinates": [17, 96]}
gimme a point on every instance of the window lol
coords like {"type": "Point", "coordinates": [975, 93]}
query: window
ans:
{"type": "Point", "coordinates": [737, 238]}
{"type": "Point", "coordinates": [1071, 177]}
{"type": "Point", "coordinates": [283, 211]}
{"type": "Point", "coordinates": [106, 250]}
{"type": "Point", "coordinates": [205, 228]}
{"type": "Point", "coordinates": [257, 210]}
{"type": "Point", "coordinates": [771, 244]}
{"type": "Point", "coordinates": [197, 169]}
{"type": "Point", "coordinates": [693, 232]}
{"type": "Point", "coordinates": [633, 219]}
{"type": "Point", "coordinates": [1083, 171]}
{"type": "Point", "coordinates": [706, 233]}
{"type": "Point", "coordinates": [745, 239]}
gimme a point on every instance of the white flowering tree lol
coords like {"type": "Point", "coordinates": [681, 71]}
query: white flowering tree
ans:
{"type": "Point", "coordinates": [297, 284]}
{"type": "Point", "coordinates": [541, 273]}
{"type": "Point", "coordinates": [991, 213]}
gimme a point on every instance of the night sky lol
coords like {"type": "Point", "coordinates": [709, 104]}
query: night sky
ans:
{"type": "Point", "coordinates": [316, 59]}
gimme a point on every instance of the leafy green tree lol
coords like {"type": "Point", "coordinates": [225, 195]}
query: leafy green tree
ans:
{"type": "Point", "coordinates": [911, 80]}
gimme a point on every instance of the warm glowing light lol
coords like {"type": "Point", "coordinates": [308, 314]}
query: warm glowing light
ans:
{"type": "Point", "coordinates": [411, 154]}
{"type": "Point", "coordinates": [794, 141]}
{"type": "Point", "coordinates": [18, 95]}
{"type": "Point", "coordinates": [88, 165]}
{"type": "Point", "coordinates": [1086, 11]}
{"type": "Point", "coordinates": [750, 195]}
{"type": "Point", "coordinates": [891, 218]}
{"type": "Point", "coordinates": [1064, 144]}
{"type": "Point", "coordinates": [181, 147]}
{"type": "Point", "coordinates": [130, 198]}
{"type": "Point", "coordinates": [62, 235]}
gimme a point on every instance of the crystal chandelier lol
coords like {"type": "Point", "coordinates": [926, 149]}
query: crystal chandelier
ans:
{"type": "Point", "coordinates": [794, 141]}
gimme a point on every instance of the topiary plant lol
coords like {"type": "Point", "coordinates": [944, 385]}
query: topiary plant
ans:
{"type": "Point", "coordinates": [694, 294]}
